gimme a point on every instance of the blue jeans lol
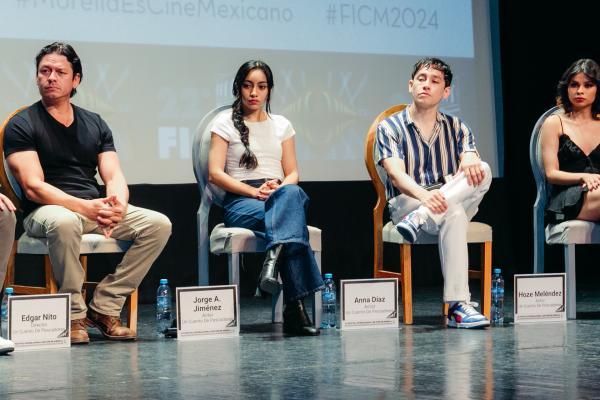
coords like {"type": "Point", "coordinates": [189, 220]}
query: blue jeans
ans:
{"type": "Point", "coordinates": [281, 219]}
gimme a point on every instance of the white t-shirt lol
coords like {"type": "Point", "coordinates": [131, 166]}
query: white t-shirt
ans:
{"type": "Point", "coordinates": [265, 140]}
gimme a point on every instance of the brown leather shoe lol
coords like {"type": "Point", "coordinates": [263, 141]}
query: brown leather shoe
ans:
{"type": "Point", "coordinates": [79, 333]}
{"type": "Point", "coordinates": [109, 326]}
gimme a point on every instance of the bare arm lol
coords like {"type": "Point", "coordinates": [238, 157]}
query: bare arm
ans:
{"type": "Point", "coordinates": [434, 200]}
{"type": "Point", "coordinates": [216, 170]}
{"type": "Point", "coordinates": [289, 162]}
{"type": "Point", "coordinates": [117, 192]}
{"type": "Point", "coordinates": [26, 167]}
{"type": "Point", "coordinates": [111, 173]}
{"type": "Point", "coordinates": [551, 131]}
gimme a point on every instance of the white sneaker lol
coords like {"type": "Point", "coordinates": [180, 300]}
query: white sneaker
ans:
{"type": "Point", "coordinates": [6, 346]}
{"type": "Point", "coordinates": [464, 315]}
{"type": "Point", "coordinates": [409, 226]}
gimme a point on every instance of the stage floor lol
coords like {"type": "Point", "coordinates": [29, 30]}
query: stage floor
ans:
{"type": "Point", "coordinates": [425, 360]}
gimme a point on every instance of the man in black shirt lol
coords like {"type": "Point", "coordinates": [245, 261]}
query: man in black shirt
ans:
{"type": "Point", "coordinates": [54, 149]}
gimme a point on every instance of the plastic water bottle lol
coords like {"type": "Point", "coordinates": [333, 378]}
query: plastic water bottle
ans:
{"type": "Point", "coordinates": [4, 311]}
{"type": "Point", "coordinates": [497, 298]}
{"type": "Point", "coordinates": [163, 307]}
{"type": "Point", "coordinates": [328, 296]}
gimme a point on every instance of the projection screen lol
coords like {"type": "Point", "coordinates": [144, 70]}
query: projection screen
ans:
{"type": "Point", "coordinates": [153, 68]}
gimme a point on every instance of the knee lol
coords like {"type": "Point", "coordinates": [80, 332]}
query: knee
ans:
{"type": "Point", "coordinates": [593, 195]}
{"type": "Point", "coordinates": [456, 212]}
{"type": "Point", "coordinates": [64, 225]}
{"type": "Point", "coordinates": [8, 220]}
{"type": "Point", "coordinates": [291, 190]}
{"type": "Point", "coordinates": [161, 226]}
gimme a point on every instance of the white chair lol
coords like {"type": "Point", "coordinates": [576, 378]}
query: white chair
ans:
{"type": "Point", "coordinates": [567, 233]}
{"type": "Point", "coordinates": [90, 244]}
{"type": "Point", "coordinates": [231, 241]}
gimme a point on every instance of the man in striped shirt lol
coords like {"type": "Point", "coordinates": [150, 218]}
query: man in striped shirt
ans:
{"type": "Point", "coordinates": [435, 180]}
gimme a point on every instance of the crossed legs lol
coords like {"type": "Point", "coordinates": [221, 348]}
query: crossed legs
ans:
{"type": "Point", "coordinates": [451, 226]}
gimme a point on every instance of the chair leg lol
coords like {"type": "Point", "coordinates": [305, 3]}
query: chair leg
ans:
{"type": "Point", "coordinates": [203, 241]}
{"type": "Point", "coordinates": [317, 304]}
{"type": "Point", "coordinates": [9, 279]}
{"type": "Point", "coordinates": [132, 311]}
{"type": "Point", "coordinates": [49, 274]}
{"type": "Point", "coordinates": [406, 277]}
{"type": "Point", "coordinates": [571, 287]}
{"type": "Point", "coordinates": [277, 308]}
{"type": "Point", "coordinates": [486, 279]}
{"type": "Point", "coordinates": [233, 263]}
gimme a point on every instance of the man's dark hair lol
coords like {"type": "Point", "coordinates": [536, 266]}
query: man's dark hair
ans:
{"type": "Point", "coordinates": [435, 63]}
{"type": "Point", "coordinates": [64, 49]}
{"type": "Point", "coordinates": [583, 66]}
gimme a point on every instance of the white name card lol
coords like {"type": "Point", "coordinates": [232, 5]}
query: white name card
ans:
{"type": "Point", "coordinates": [37, 322]}
{"type": "Point", "coordinates": [540, 297]}
{"type": "Point", "coordinates": [207, 312]}
{"type": "Point", "coordinates": [369, 303]}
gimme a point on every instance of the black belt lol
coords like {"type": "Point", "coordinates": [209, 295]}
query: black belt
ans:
{"type": "Point", "coordinates": [258, 182]}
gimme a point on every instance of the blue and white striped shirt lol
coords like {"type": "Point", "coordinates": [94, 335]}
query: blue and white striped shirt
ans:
{"type": "Point", "coordinates": [425, 162]}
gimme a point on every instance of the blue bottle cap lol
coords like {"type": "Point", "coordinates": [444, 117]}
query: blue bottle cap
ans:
{"type": "Point", "coordinates": [497, 270]}
{"type": "Point", "coordinates": [8, 290]}
{"type": "Point", "coordinates": [164, 281]}
{"type": "Point", "coordinates": [328, 275]}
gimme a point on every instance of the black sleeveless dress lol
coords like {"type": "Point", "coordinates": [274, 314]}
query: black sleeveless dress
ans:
{"type": "Point", "coordinates": [565, 201]}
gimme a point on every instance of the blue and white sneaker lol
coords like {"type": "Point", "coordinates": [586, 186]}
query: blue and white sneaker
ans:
{"type": "Point", "coordinates": [6, 346]}
{"type": "Point", "coordinates": [409, 226]}
{"type": "Point", "coordinates": [464, 315]}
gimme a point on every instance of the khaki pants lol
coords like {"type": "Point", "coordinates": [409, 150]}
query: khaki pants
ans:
{"type": "Point", "coordinates": [149, 231]}
{"type": "Point", "coordinates": [451, 227]}
{"type": "Point", "coordinates": [7, 235]}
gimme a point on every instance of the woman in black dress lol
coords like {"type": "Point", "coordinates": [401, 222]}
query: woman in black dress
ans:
{"type": "Point", "coordinates": [570, 142]}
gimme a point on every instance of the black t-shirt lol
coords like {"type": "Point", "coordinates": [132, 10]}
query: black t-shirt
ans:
{"type": "Point", "coordinates": [68, 155]}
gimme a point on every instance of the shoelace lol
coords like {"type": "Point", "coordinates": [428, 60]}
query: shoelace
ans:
{"type": "Point", "coordinates": [469, 308]}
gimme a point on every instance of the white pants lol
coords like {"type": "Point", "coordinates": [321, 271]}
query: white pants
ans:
{"type": "Point", "coordinates": [451, 227]}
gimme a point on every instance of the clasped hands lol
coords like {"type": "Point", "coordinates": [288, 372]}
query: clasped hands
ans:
{"type": "Point", "coordinates": [264, 191]}
{"type": "Point", "coordinates": [107, 212]}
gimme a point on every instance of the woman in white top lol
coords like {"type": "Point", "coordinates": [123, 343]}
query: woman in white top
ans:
{"type": "Point", "coordinates": [253, 157]}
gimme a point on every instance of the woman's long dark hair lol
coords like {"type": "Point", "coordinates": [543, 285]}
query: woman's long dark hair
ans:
{"type": "Point", "coordinates": [248, 159]}
{"type": "Point", "coordinates": [591, 69]}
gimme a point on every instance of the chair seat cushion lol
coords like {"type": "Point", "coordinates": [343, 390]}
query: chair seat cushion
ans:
{"type": "Point", "coordinates": [573, 232]}
{"type": "Point", "coordinates": [240, 240]}
{"type": "Point", "coordinates": [90, 243]}
{"type": "Point", "coordinates": [478, 233]}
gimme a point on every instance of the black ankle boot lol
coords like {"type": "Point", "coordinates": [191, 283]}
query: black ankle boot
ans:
{"type": "Point", "coordinates": [296, 320]}
{"type": "Point", "coordinates": [268, 276]}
